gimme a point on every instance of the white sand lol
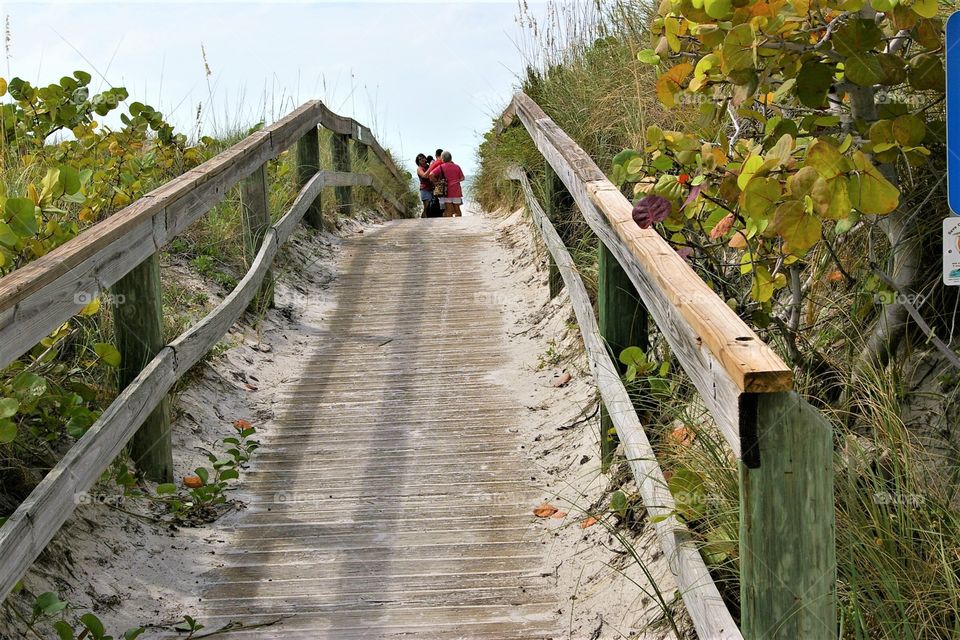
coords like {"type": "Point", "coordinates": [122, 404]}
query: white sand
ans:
{"type": "Point", "coordinates": [132, 572]}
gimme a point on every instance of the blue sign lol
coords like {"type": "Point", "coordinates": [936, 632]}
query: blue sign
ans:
{"type": "Point", "coordinates": [953, 112]}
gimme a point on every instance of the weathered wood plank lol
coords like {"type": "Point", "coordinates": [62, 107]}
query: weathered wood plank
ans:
{"type": "Point", "coordinates": [623, 323]}
{"type": "Point", "coordinates": [201, 337]}
{"type": "Point", "coordinates": [700, 594]}
{"type": "Point", "coordinates": [308, 164]}
{"type": "Point", "coordinates": [340, 151]}
{"type": "Point", "coordinates": [138, 327]}
{"type": "Point", "coordinates": [751, 364]}
{"type": "Point", "coordinates": [31, 527]}
{"type": "Point", "coordinates": [255, 206]}
{"type": "Point", "coordinates": [788, 565]}
{"type": "Point", "coordinates": [29, 310]}
{"type": "Point", "coordinates": [27, 532]}
{"type": "Point", "coordinates": [720, 392]}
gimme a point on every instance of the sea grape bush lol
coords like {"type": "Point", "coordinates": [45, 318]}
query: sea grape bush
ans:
{"type": "Point", "coordinates": [63, 170]}
{"type": "Point", "coordinates": [812, 115]}
{"type": "Point", "coordinates": [76, 170]}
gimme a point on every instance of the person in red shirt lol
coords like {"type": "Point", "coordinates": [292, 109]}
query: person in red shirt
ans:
{"type": "Point", "coordinates": [453, 174]}
{"type": "Point", "coordinates": [438, 160]}
{"type": "Point", "coordinates": [426, 185]}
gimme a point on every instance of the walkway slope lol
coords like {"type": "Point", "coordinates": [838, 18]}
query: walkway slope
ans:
{"type": "Point", "coordinates": [393, 497]}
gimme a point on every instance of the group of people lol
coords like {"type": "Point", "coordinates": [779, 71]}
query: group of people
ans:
{"type": "Point", "coordinates": [440, 189]}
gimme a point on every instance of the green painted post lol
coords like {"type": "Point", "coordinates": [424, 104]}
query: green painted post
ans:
{"type": "Point", "coordinates": [138, 327]}
{"type": "Point", "coordinates": [788, 564]}
{"type": "Point", "coordinates": [255, 203]}
{"type": "Point", "coordinates": [308, 163]}
{"type": "Point", "coordinates": [558, 203]}
{"type": "Point", "coordinates": [623, 323]}
{"type": "Point", "coordinates": [340, 148]}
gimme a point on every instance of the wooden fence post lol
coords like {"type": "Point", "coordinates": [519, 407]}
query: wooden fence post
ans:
{"type": "Point", "coordinates": [623, 323]}
{"type": "Point", "coordinates": [363, 153]}
{"type": "Point", "coordinates": [308, 163]}
{"type": "Point", "coordinates": [558, 203]}
{"type": "Point", "coordinates": [788, 564]}
{"type": "Point", "coordinates": [138, 326]}
{"type": "Point", "coordinates": [255, 203]}
{"type": "Point", "coordinates": [340, 147]}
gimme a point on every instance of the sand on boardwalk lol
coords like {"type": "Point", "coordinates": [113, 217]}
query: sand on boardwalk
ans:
{"type": "Point", "coordinates": [133, 572]}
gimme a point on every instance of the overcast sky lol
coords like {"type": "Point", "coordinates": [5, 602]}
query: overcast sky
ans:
{"type": "Point", "coordinates": [421, 75]}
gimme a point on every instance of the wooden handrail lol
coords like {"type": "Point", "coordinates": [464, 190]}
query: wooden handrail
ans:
{"type": "Point", "coordinates": [751, 364]}
{"type": "Point", "coordinates": [787, 530]}
{"type": "Point", "coordinates": [101, 256]}
{"type": "Point", "coordinates": [38, 297]}
{"type": "Point", "coordinates": [700, 594]}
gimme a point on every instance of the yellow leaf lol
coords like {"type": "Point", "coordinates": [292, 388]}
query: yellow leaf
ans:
{"type": "Point", "coordinates": [3, 87]}
{"type": "Point", "coordinates": [870, 192]}
{"type": "Point", "coordinates": [670, 83]}
{"type": "Point", "coordinates": [91, 308]}
{"type": "Point", "coordinates": [32, 194]}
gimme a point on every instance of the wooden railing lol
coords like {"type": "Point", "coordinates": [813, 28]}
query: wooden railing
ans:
{"type": "Point", "coordinates": [121, 253]}
{"type": "Point", "coordinates": [787, 538]}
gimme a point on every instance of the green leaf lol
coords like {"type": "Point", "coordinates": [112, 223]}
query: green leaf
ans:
{"type": "Point", "coordinates": [798, 228]}
{"type": "Point", "coordinates": [748, 170]}
{"type": "Point", "coordinates": [688, 491]}
{"type": "Point", "coordinates": [229, 474]}
{"type": "Point", "coordinates": [847, 223]}
{"type": "Point", "coordinates": [925, 8]}
{"type": "Point", "coordinates": [8, 407]}
{"type": "Point", "coordinates": [131, 634]}
{"type": "Point", "coordinates": [926, 73]}
{"type": "Point", "coordinates": [108, 353]}
{"type": "Point", "coordinates": [633, 355]}
{"type": "Point", "coordinates": [870, 192]}
{"type": "Point", "coordinates": [93, 625]}
{"type": "Point", "coordinates": [7, 236]}
{"type": "Point", "coordinates": [831, 198]}
{"type": "Point", "coordinates": [22, 216]}
{"type": "Point", "coordinates": [64, 630]}
{"type": "Point", "coordinates": [648, 56]}
{"type": "Point", "coordinates": [49, 604]}
{"type": "Point", "coordinates": [69, 179]}
{"type": "Point", "coordinates": [813, 83]}
{"type": "Point", "coordinates": [864, 70]}
{"type": "Point", "coordinates": [855, 38]}
{"type": "Point", "coordinates": [166, 488]}
{"type": "Point", "coordinates": [8, 431]}
{"type": "Point", "coordinates": [82, 76]}
{"type": "Point", "coordinates": [203, 474]}
{"type": "Point", "coordinates": [738, 48]}
{"type": "Point", "coordinates": [826, 159]}
{"type": "Point", "coordinates": [760, 196]}
{"type": "Point", "coordinates": [718, 9]}
{"type": "Point", "coordinates": [909, 130]}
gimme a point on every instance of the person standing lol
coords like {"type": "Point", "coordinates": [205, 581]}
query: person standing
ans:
{"type": "Point", "coordinates": [426, 185]}
{"type": "Point", "coordinates": [452, 175]}
{"type": "Point", "coordinates": [437, 160]}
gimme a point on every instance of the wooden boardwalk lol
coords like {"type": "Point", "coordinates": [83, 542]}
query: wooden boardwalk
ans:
{"type": "Point", "coordinates": [393, 498]}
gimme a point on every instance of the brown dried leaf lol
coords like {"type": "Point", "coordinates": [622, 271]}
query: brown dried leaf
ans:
{"type": "Point", "coordinates": [545, 510]}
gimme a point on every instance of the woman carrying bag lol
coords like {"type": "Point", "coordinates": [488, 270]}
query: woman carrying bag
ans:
{"type": "Point", "coordinates": [446, 179]}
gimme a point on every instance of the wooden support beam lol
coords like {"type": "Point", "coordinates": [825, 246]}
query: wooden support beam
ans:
{"type": "Point", "coordinates": [340, 148]}
{"type": "Point", "coordinates": [788, 565]}
{"type": "Point", "coordinates": [623, 323]}
{"type": "Point", "coordinates": [558, 203]}
{"type": "Point", "coordinates": [308, 163]}
{"type": "Point", "coordinates": [138, 325]}
{"type": "Point", "coordinates": [255, 203]}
